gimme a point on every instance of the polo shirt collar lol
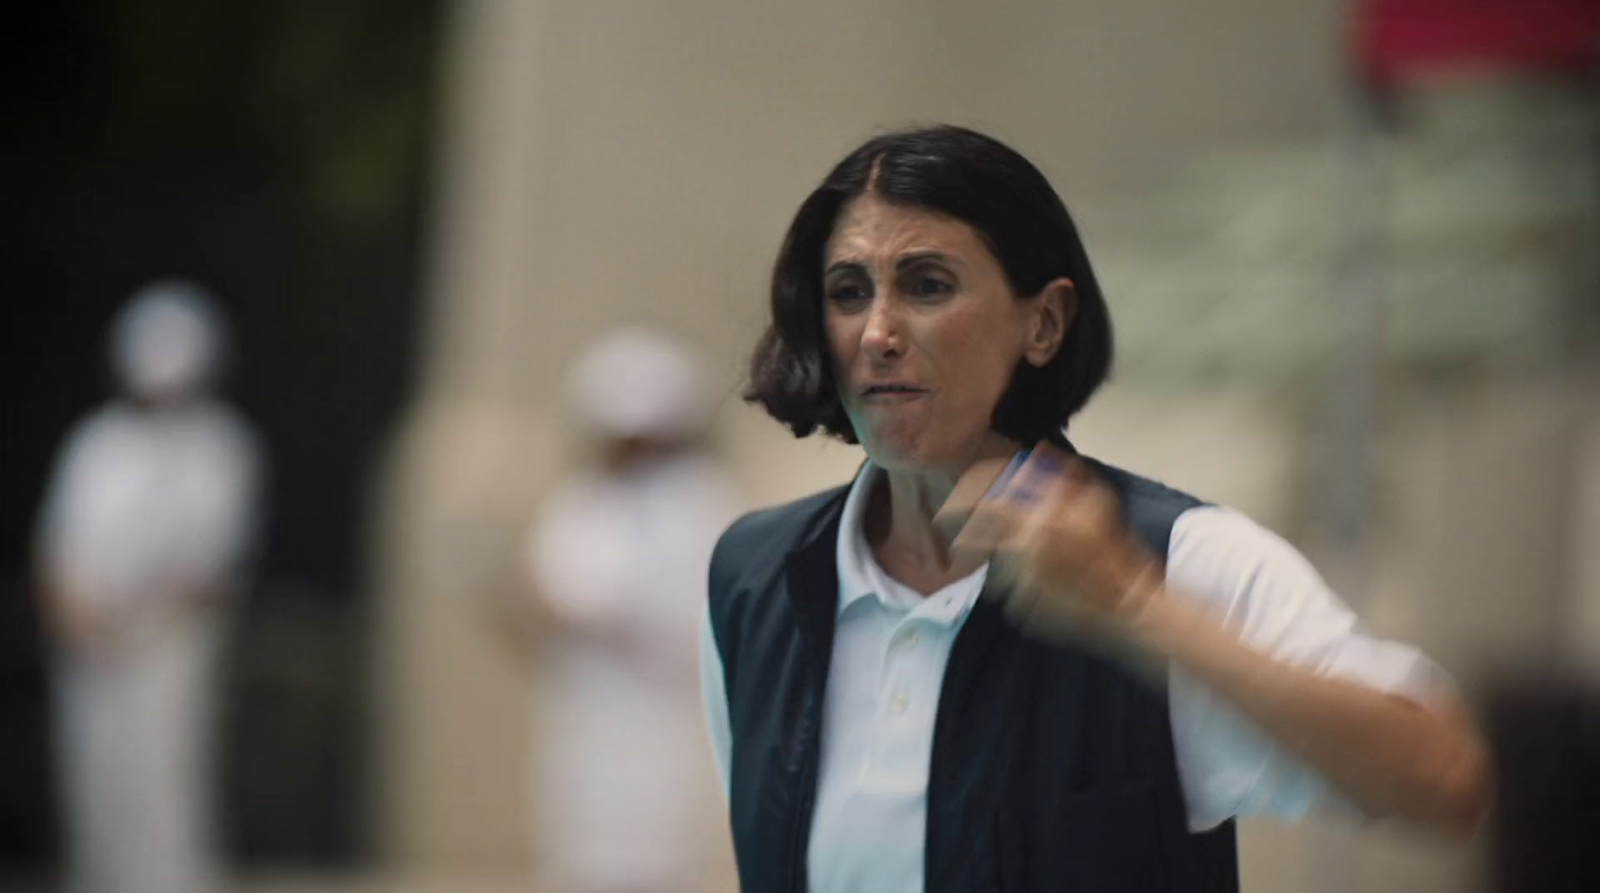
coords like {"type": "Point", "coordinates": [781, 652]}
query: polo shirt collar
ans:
{"type": "Point", "coordinates": [861, 577]}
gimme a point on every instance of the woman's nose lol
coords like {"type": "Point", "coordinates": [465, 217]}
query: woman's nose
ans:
{"type": "Point", "coordinates": [881, 337]}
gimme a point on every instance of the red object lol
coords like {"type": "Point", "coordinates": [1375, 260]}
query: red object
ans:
{"type": "Point", "coordinates": [1397, 41]}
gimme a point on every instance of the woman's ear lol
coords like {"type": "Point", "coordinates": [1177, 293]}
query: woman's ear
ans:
{"type": "Point", "coordinates": [1055, 307]}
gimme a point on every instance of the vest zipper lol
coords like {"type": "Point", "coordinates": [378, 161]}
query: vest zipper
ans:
{"type": "Point", "coordinates": [800, 832]}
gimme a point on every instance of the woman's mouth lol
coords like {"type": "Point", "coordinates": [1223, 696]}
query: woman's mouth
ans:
{"type": "Point", "coordinates": [891, 392]}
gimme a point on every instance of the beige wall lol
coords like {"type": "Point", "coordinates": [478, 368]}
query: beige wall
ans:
{"type": "Point", "coordinates": [610, 161]}
{"type": "Point", "coordinates": [606, 160]}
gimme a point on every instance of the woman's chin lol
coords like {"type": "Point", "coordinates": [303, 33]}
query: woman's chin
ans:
{"type": "Point", "coordinates": [913, 454]}
{"type": "Point", "coordinates": [910, 456]}
{"type": "Point", "coordinates": [896, 453]}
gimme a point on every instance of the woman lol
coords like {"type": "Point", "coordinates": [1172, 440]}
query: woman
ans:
{"type": "Point", "coordinates": [1141, 667]}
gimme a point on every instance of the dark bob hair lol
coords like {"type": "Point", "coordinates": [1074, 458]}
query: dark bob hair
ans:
{"type": "Point", "coordinates": [990, 187]}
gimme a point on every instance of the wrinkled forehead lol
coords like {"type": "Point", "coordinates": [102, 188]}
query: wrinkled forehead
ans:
{"type": "Point", "coordinates": [873, 233]}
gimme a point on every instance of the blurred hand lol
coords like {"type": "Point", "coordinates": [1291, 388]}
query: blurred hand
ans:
{"type": "Point", "coordinates": [1065, 559]}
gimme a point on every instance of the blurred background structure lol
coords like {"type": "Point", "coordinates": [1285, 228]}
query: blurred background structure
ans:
{"type": "Point", "coordinates": [274, 154]}
{"type": "Point", "coordinates": [1350, 249]}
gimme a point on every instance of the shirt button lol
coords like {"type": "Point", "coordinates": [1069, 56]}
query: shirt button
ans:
{"type": "Point", "coordinates": [898, 703]}
{"type": "Point", "coordinates": [910, 639]}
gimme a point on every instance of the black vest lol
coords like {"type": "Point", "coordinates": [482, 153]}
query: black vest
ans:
{"type": "Point", "coordinates": [1052, 767]}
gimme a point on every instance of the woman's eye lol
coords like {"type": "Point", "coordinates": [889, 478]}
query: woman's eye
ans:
{"type": "Point", "coordinates": [847, 293]}
{"type": "Point", "coordinates": [928, 286]}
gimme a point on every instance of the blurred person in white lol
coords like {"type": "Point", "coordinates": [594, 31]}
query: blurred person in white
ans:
{"type": "Point", "coordinates": [624, 788]}
{"type": "Point", "coordinates": [145, 529]}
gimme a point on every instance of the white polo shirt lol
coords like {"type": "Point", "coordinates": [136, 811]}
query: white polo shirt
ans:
{"type": "Point", "coordinates": [891, 645]}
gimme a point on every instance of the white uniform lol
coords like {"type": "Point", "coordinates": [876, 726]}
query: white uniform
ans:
{"type": "Point", "coordinates": [145, 505]}
{"type": "Point", "coordinates": [622, 787]}
{"type": "Point", "coordinates": [141, 500]}
{"type": "Point", "coordinates": [621, 790]}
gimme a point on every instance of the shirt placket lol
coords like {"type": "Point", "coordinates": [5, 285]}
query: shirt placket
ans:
{"type": "Point", "coordinates": [898, 756]}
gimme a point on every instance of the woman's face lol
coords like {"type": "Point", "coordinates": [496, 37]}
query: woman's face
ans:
{"type": "Point", "coordinates": [926, 333]}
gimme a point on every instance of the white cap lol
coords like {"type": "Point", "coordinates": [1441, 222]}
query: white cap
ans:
{"type": "Point", "coordinates": [640, 383]}
{"type": "Point", "coordinates": [168, 340]}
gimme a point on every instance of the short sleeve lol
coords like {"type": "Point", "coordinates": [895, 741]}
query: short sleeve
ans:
{"type": "Point", "coordinates": [1267, 593]}
{"type": "Point", "coordinates": [715, 697]}
{"type": "Point", "coordinates": [576, 555]}
{"type": "Point", "coordinates": [62, 494]}
{"type": "Point", "coordinates": [227, 466]}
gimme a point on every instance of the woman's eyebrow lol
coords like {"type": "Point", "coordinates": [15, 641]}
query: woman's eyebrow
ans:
{"type": "Point", "coordinates": [844, 266]}
{"type": "Point", "coordinates": [917, 257]}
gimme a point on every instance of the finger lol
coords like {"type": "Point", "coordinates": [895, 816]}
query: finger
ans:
{"type": "Point", "coordinates": [1043, 614]}
{"type": "Point", "coordinates": [991, 524]}
{"type": "Point", "coordinates": [1047, 458]}
{"type": "Point", "coordinates": [1050, 461]}
{"type": "Point", "coordinates": [984, 478]}
{"type": "Point", "coordinates": [1057, 614]}
{"type": "Point", "coordinates": [1079, 495]}
{"type": "Point", "coordinates": [1033, 472]}
{"type": "Point", "coordinates": [1006, 564]}
{"type": "Point", "coordinates": [1073, 467]}
{"type": "Point", "coordinates": [1045, 480]}
{"type": "Point", "coordinates": [1017, 607]}
{"type": "Point", "coordinates": [1016, 600]}
{"type": "Point", "coordinates": [1026, 491]}
{"type": "Point", "coordinates": [1075, 488]}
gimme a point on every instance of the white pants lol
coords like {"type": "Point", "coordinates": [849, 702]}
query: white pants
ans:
{"type": "Point", "coordinates": [133, 740]}
{"type": "Point", "coordinates": [622, 787]}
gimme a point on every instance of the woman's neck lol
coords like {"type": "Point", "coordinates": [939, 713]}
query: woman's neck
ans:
{"type": "Point", "coordinates": [899, 524]}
